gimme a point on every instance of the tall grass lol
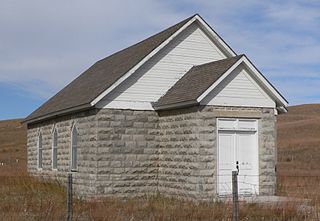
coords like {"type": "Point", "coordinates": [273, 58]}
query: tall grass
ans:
{"type": "Point", "coordinates": [27, 198]}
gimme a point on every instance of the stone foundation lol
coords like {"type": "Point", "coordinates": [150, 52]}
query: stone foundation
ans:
{"type": "Point", "coordinates": [126, 153]}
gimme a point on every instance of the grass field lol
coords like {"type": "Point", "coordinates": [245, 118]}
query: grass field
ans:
{"type": "Point", "coordinates": [299, 152]}
{"type": "Point", "coordinates": [26, 198]}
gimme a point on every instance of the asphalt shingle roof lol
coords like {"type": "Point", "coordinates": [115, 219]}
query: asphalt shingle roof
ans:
{"type": "Point", "coordinates": [90, 84]}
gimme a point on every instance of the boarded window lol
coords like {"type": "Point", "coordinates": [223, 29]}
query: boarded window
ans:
{"type": "Point", "coordinates": [40, 149]}
{"type": "Point", "coordinates": [74, 149]}
{"type": "Point", "coordinates": [55, 150]}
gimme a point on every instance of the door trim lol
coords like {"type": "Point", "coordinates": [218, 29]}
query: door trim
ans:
{"type": "Point", "coordinates": [235, 130]}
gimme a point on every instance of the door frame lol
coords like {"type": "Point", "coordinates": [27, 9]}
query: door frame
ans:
{"type": "Point", "coordinates": [217, 149]}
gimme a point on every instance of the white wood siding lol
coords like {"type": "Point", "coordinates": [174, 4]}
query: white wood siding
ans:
{"type": "Point", "coordinates": [239, 89]}
{"type": "Point", "coordinates": [153, 79]}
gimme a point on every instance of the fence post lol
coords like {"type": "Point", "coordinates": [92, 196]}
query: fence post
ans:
{"type": "Point", "coordinates": [235, 199]}
{"type": "Point", "coordinates": [69, 198]}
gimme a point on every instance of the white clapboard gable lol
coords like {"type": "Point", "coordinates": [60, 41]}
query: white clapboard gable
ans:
{"type": "Point", "coordinates": [239, 89]}
{"type": "Point", "coordinates": [153, 79]}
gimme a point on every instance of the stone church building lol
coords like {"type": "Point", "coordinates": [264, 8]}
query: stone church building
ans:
{"type": "Point", "coordinates": [174, 114]}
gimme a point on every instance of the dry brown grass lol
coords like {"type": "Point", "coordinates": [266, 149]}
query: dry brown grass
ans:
{"type": "Point", "coordinates": [25, 198]}
{"type": "Point", "coordinates": [13, 151]}
{"type": "Point", "coordinates": [300, 127]}
{"type": "Point", "coordinates": [299, 152]}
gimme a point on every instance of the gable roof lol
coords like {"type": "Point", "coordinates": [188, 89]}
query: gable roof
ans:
{"type": "Point", "coordinates": [105, 75]}
{"type": "Point", "coordinates": [200, 80]}
{"type": "Point", "coordinates": [100, 76]}
{"type": "Point", "coordinates": [195, 82]}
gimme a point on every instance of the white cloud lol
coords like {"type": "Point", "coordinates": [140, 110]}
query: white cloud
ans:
{"type": "Point", "coordinates": [50, 42]}
{"type": "Point", "coordinates": [53, 41]}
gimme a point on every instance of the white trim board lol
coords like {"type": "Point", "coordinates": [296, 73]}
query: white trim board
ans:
{"type": "Point", "coordinates": [129, 105]}
{"type": "Point", "coordinates": [216, 37]}
{"type": "Point", "coordinates": [236, 156]}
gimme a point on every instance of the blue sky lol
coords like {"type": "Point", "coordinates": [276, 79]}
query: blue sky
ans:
{"type": "Point", "coordinates": [45, 44]}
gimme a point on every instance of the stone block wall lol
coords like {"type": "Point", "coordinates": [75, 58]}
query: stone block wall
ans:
{"type": "Point", "coordinates": [126, 153]}
{"type": "Point", "coordinates": [186, 153]}
{"type": "Point", "coordinates": [86, 175]}
{"type": "Point", "coordinates": [188, 150]}
{"type": "Point", "coordinates": [267, 152]}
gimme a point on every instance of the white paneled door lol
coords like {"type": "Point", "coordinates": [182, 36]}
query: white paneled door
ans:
{"type": "Point", "coordinates": [238, 150]}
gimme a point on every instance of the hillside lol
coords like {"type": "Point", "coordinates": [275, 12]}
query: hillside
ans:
{"type": "Point", "coordinates": [299, 140]}
{"type": "Point", "coordinates": [12, 146]}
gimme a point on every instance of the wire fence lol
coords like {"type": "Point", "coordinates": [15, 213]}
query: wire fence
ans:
{"type": "Point", "coordinates": [27, 196]}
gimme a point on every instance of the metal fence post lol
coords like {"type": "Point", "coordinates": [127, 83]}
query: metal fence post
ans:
{"type": "Point", "coordinates": [235, 199]}
{"type": "Point", "coordinates": [69, 198]}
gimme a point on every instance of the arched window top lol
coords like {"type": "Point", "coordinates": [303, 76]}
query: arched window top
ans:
{"type": "Point", "coordinates": [74, 135]}
{"type": "Point", "coordinates": [55, 137]}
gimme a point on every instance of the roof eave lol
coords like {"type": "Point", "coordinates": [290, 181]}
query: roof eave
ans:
{"type": "Point", "coordinates": [282, 110]}
{"type": "Point", "coordinates": [175, 105]}
{"type": "Point", "coordinates": [57, 114]}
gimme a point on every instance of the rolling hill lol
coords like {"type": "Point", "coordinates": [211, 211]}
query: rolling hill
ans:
{"type": "Point", "coordinates": [299, 140]}
{"type": "Point", "coordinates": [13, 154]}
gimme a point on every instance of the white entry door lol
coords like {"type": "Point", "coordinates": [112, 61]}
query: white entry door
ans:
{"type": "Point", "coordinates": [238, 149]}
